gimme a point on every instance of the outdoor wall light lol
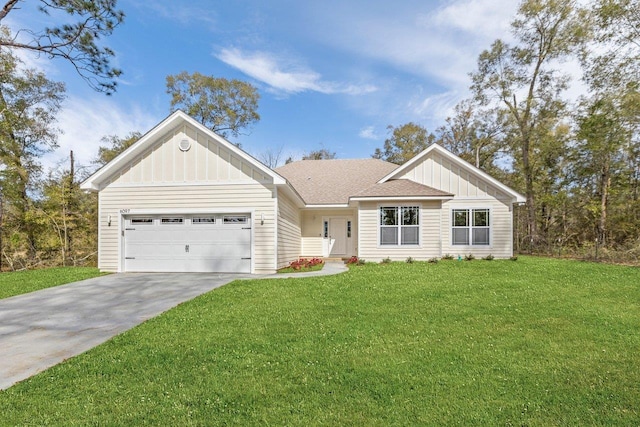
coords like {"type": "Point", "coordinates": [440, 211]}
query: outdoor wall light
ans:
{"type": "Point", "coordinates": [261, 219]}
{"type": "Point", "coordinates": [109, 221]}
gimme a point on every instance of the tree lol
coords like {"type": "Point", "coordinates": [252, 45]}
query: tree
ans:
{"type": "Point", "coordinates": [77, 40]}
{"type": "Point", "coordinates": [271, 157]}
{"type": "Point", "coordinates": [404, 143]}
{"type": "Point", "coordinates": [614, 60]}
{"type": "Point", "coordinates": [321, 154]}
{"type": "Point", "coordinates": [474, 135]}
{"type": "Point", "coordinates": [114, 146]}
{"type": "Point", "coordinates": [522, 80]}
{"type": "Point", "coordinates": [28, 106]}
{"type": "Point", "coordinates": [224, 106]}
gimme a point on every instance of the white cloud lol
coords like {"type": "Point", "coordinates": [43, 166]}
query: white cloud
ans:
{"type": "Point", "coordinates": [85, 121]}
{"type": "Point", "coordinates": [368, 132]}
{"type": "Point", "coordinates": [284, 75]}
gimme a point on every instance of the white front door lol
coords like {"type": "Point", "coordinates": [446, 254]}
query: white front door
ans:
{"type": "Point", "coordinates": [338, 235]}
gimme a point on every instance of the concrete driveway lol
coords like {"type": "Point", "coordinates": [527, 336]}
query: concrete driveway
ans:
{"type": "Point", "coordinates": [41, 329]}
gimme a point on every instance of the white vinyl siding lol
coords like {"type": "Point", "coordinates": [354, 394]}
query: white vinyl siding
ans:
{"type": "Point", "coordinates": [500, 228]}
{"type": "Point", "coordinates": [289, 233]}
{"type": "Point", "coordinates": [368, 229]}
{"type": "Point", "coordinates": [258, 199]}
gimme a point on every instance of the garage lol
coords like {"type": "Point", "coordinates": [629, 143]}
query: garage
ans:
{"type": "Point", "coordinates": [187, 243]}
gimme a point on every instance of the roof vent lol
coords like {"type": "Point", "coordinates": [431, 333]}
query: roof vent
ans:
{"type": "Point", "coordinates": [184, 145]}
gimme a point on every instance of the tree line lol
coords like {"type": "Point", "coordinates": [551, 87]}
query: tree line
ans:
{"type": "Point", "coordinates": [577, 161]}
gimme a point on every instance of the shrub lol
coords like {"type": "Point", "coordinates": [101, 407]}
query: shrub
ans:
{"type": "Point", "coordinates": [353, 260]}
{"type": "Point", "coordinates": [305, 263]}
{"type": "Point", "coordinates": [489, 257]}
{"type": "Point", "coordinates": [447, 257]}
{"type": "Point", "coordinates": [361, 261]}
{"type": "Point", "coordinates": [410, 260]}
{"type": "Point", "coordinates": [434, 260]}
{"type": "Point", "coordinates": [514, 258]}
{"type": "Point", "coordinates": [469, 257]}
{"type": "Point", "coordinates": [386, 260]}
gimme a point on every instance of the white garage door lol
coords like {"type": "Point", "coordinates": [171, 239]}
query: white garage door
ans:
{"type": "Point", "coordinates": [188, 243]}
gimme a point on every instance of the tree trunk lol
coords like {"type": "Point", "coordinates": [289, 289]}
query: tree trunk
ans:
{"type": "Point", "coordinates": [605, 184]}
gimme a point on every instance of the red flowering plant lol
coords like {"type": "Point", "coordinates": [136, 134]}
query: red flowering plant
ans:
{"type": "Point", "coordinates": [304, 264]}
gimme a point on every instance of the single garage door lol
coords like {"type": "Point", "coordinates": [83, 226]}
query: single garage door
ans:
{"type": "Point", "coordinates": [188, 243]}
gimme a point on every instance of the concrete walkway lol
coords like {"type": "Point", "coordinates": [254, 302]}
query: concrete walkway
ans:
{"type": "Point", "coordinates": [43, 328]}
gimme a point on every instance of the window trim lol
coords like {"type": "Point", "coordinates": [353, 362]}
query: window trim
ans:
{"type": "Point", "coordinates": [208, 220]}
{"type": "Point", "coordinates": [471, 227]}
{"type": "Point", "coordinates": [172, 220]}
{"type": "Point", "coordinates": [235, 219]}
{"type": "Point", "coordinates": [399, 227]}
{"type": "Point", "coordinates": [147, 220]}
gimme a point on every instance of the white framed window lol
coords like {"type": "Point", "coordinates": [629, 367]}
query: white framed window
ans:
{"type": "Point", "coordinates": [470, 227]}
{"type": "Point", "coordinates": [399, 226]}
{"type": "Point", "coordinates": [203, 220]}
{"type": "Point", "coordinates": [141, 221]}
{"type": "Point", "coordinates": [325, 229]}
{"type": "Point", "coordinates": [172, 220]}
{"type": "Point", "coordinates": [235, 219]}
{"type": "Point", "coordinates": [348, 229]}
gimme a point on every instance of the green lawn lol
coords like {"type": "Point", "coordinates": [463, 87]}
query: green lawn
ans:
{"type": "Point", "coordinates": [22, 282]}
{"type": "Point", "coordinates": [531, 342]}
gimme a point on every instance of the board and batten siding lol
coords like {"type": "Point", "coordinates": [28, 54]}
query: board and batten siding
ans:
{"type": "Point", "coordinates": [439, 172]}
{"type": "Point", "coordinates": [255, 199]}
{"type": "Point", "coordinates": [205, 161]}
{"type": "Point", "coordinates": [369, 247]}
{"type": "Point", "coordinates": [288, 231]}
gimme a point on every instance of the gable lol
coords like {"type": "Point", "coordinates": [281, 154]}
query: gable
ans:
{"type": "Point", "coordinates": [206, 161]}
{"type": "Point", "coordinates": [438, 168]}
{"type": "Point", "coordinates": [181, 150]}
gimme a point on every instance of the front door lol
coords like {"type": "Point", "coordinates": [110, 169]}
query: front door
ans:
{"type": "Point", "coordinates": [338, 235]}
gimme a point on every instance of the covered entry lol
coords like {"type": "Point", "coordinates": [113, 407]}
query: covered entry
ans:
{"type": "Point", "coordinates": [187, 243]}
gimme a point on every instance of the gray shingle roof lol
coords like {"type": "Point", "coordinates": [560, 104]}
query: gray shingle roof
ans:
{"type": "Point", "coordinates": [325, 182]}
{"type": "Point", "coordinates": [403, 188]}
{"type": "Point", "coordinates": [328, 182]}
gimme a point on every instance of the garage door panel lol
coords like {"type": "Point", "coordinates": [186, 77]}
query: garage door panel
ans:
{"type": "Point", "coordinates": [188, 247]}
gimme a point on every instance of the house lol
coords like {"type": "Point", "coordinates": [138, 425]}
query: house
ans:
{"type": "Point", "coordinates": [185, 199]}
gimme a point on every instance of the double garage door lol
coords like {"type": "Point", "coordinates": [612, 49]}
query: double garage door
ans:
{"type": "Point", "coordinates": [188, 243]}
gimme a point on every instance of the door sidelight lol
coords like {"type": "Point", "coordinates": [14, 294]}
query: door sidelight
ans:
{"type": "Point", "coordinates": [186, 248]}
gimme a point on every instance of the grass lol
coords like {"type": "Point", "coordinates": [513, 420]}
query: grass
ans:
{"type": "Point", "coordinates": [22, 282]}
{"type": "Point", "coordinates": [532, 342]}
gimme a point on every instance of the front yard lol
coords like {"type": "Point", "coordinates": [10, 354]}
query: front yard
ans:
{"type": "Point", "coordinates": [531, 342]}
{"type": "Point", "coordinates": [22, 282]}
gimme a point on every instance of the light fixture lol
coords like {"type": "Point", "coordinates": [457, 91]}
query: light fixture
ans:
{"type": "Point", "coordinates": [261, 219]}
{"type": "Point", "coordinates": [109, 221]}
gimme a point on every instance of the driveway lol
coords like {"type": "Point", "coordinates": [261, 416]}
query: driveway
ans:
{"type": "Point", "coordinates": [41, 329]}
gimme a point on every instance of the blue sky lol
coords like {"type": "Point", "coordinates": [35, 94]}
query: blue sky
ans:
{"type": "Point", "coordinates": [331, 74]}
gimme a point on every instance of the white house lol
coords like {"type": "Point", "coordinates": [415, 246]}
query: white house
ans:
{"type": "Point", "coordinates": [185, 199]}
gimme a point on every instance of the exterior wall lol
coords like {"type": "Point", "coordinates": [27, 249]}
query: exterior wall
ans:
{"type": "Point", "coordinates": [313, 243]}
{"type": "Point", "coordinates": [256, 199]}
{"type": "Point", "coordinates": [289, 235]}
{"type": "Point", "coordinates": [438, 172]}
{"type": "Point", "coordinates": [501, 228]}
{"type": "Point", "coordinates": [206, 161]}
{"type": "Point", "coordinates": [369, 247]}
{"type": "Point", "coordinates": [470, 192]}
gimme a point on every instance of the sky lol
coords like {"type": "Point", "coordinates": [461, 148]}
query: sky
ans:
{"type": "Point", "coordinates": [331, 74]}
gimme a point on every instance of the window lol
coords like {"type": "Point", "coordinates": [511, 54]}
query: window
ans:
{"type": "Point", "coordinates": [141, 221]}
{"type": "Point", "coordinates": [325, 229]}
{"type": "Point", "coordinates": [203, 220]}
{"type": "Point", "coordinates": [470, 227]}
{"type": "Point", "coordinates": [348, 229]}
{"type": "Point", "coordinates": [399, 225]}
{"type": "Point", "coordinates": [235, 219]}
{"type": "Point", "coordinates": [172, 220]}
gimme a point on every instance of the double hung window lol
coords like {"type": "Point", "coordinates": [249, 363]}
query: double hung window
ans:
{"type": "Point", "coordinates": [470, 227]}
{"type": "Point", "coordinates": [399, 225]}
